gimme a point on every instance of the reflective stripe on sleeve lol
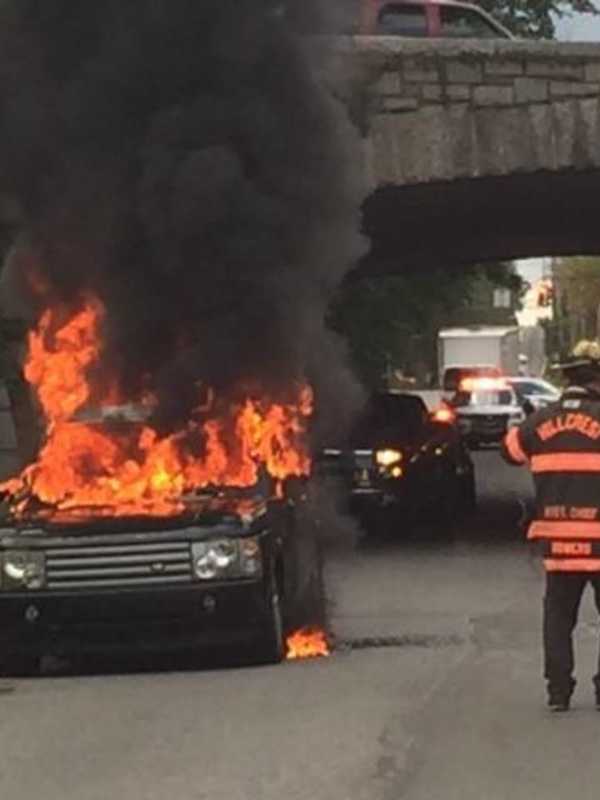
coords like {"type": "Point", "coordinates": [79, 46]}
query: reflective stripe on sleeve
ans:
{"type": "Point", "coordinates": [566, 462]}
{"type": "Point", "coordinates": [512, 442]}
{"type": "Point", "coordinates": [572, 564]}
{"type": "Point", "coordinates": [564, 529]}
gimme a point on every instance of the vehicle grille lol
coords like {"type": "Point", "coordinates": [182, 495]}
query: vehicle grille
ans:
{"type": "Point", "coordinates": [492, 424]}
{"type": "Point", "coordinates": [107, 566]}
{"type": "Point", "coordinates": [362, 459]}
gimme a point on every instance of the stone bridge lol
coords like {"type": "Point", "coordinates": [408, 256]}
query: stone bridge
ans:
{"type": "Point", "coordinates": [475, 150]}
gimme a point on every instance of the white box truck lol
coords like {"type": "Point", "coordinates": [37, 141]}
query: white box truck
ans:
{"type": "Point", "coordinates": [488, 350]}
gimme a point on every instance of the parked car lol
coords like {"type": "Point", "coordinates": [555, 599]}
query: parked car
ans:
{"type": "Point", "coordinates": [429, 18]}
{"type": "Point", "coordinates": [486, 408]}
{"type": "Point", "coordinates": [536, 391]}
{"type": "Point", "coordinates": [402, 463]}
{"type": "Point", "coordinates": [231, 568]}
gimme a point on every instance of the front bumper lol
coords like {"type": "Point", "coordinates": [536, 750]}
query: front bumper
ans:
{"type": "Point", "coordinates": [489, 431]}
{"type": "Point", "coordinates": [363, 499]}
{"type": "Point", "coordinates": [133, 620]}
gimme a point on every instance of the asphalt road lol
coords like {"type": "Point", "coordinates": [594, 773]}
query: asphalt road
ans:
{"type": "Point", "coordinates": [433, 692]}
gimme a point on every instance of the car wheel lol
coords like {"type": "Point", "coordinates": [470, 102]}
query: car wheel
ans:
{"type": "Point", "coordinates": [468, 493]}
{"type": "Point", "coordinates": [20, 666]}
{"type": "Point", "coordinates": [448, 505]}
{"type": "Point", "coordinates": [272, 647]}
{"type": "Point", "coordinates": [380, 524]}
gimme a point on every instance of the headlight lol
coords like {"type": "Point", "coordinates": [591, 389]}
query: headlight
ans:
{"type": "Point", "coordinates": [517, 418]}
{"type": "Point", "coordinates": [385, 458]}
{"type": "Point", "coordinates": [23, 569]}
{"type": "Point", "coordinates": [226, 558]}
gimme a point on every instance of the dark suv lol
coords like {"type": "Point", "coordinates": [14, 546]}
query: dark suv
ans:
{"type": "Point", "coordinates": [230, 568]}
{"type": "Point", "coordinates": [401, 463]}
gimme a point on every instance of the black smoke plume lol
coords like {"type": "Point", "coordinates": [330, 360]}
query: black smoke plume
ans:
{"type": "Point", "coordinates": [181, 159]}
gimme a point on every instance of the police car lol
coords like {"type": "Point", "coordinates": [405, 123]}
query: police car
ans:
{"type": "Point", "coordinates": [486, 408]}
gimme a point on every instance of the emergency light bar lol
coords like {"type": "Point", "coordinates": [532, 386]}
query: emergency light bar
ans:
{"type": "Point", "coordinates": [443, 414]}
{"type": "Point", "coordinates": [482, 385]}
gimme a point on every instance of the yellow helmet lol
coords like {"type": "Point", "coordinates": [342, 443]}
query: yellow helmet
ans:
{"type": "Point", "coordinates": [584, 362]}
{"type": "Point", "coordinates": [587, 350]}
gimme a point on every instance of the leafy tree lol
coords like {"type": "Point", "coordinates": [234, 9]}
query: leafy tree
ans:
{"type": "Point", "coordinates": [392, 322]}
{"type": "Point", "coordinates": [577, 299]}
{"type": "Point", "coordinates": [535, 18]}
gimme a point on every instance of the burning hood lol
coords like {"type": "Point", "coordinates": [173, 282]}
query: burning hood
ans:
{"type": "Point", "coordinates": [233, 513]}
{"type": "Point", "coordinates": [106, 458]}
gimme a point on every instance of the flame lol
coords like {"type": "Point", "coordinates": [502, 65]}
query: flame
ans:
{"type": "Point", "coordinates": [58, 371]}
{"type": "Point", "coordinates": [307, 643]}
{"type": "Point", "coordinates": [126, 467]}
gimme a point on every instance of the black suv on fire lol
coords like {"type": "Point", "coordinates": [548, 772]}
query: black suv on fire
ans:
{"type": "Point", "coordinates": [232, 569]}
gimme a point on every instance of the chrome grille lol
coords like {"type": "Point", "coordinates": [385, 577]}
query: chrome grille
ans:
{"type": "Point", "coordinates": [362, 459]}
{"type": "Point", "coordinates": [106, 566]}
{"type": "Point", "coordinates": [493, 423]}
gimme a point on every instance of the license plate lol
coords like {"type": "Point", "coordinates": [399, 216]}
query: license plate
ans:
{"type": "Point", "coordinates": [362, 478]}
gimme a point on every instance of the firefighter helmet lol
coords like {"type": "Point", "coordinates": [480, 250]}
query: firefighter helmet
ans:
{"type": "Point", "coordinates": [583, 365]}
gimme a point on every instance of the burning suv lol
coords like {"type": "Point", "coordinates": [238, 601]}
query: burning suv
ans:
{"type": "Point", "coordinates": [120, 537]}
{"type": "Point", "coordinates": [402, 462]}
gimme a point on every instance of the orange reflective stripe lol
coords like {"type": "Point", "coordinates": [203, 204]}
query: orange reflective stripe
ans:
{"type": "Point", "coordinates": [512, 442]}
{"type": "Point", "coordinates": [572, 564]}
{"type": "Point", "coordinates": [566, 462]}
{"type": "Point", "coordinates": [571, 549]}
{"type": "Point", "coordinates": [564, 529]}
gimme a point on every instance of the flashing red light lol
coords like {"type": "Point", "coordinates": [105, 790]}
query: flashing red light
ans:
{"type": "Point", "coordinates": [482, 385]}
{"type": "Point", "coordinates": [444, 414]}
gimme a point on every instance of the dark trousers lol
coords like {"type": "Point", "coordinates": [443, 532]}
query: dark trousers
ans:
{"type": "Point", "coordinates": [561, 607]}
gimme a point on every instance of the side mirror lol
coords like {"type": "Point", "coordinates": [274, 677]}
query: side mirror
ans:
{"type": "Point", "coordinates": [527, 406]}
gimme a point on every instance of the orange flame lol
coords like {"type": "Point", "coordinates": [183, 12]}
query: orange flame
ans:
{"type": "Point", "coordinates": [307, 643]}
{"type": "Point", "coordinates": [128, 468]}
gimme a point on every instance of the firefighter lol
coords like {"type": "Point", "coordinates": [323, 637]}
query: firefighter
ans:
{"type": "Point", "coordinates": [561, 446]}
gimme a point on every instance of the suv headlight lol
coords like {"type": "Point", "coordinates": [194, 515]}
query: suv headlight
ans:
{"type": "Point", "coordinates": [23, 570]}
{"type": "Point", "coordinates": [385, 458]}
{"type": "Point", "coordinates": [227, 558]}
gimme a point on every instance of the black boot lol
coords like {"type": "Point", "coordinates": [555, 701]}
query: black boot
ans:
{"type": "Point", "coordinates": [559, 697]}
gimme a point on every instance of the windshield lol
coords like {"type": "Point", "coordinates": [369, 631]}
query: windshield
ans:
{"type": "Point", "coordinates": [389, 417]}
{"type": "Point", "coordinates": [402, 20]}
{"type": "Point", "coordinates": [536, 387]}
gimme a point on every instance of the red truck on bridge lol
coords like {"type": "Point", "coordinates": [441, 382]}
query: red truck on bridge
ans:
{"type": "Point", "coordinates": [429, 18]}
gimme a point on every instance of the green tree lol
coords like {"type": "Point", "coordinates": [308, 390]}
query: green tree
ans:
{"type": "Point", "coordinates": [577, 299]}
{"type": "Point", "coordinates": [392, 321]}
{"type": "Point", "coordinates": [535, 18]}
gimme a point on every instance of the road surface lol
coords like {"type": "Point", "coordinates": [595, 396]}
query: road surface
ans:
{"type": "Point", "coordinates": [433, 691]}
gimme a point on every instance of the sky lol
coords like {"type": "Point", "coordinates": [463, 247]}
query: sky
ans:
{"type": "Point", "coordinates": [579, 27]}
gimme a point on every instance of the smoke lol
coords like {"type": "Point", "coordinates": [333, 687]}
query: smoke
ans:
{"type": "Point", "coordinates": [182, 160]}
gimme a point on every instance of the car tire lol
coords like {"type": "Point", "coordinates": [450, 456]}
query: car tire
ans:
{"type": "Point", "coordinates": [378, 524]}
{"type": "Point", "coordinates": [448, 507]}
{"type": "Point", "coordinates": [468, 494]}
{"type": "Point", "coordinates": [271, 649]}
{"type": "Point", "coordinates": [20, 666]}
